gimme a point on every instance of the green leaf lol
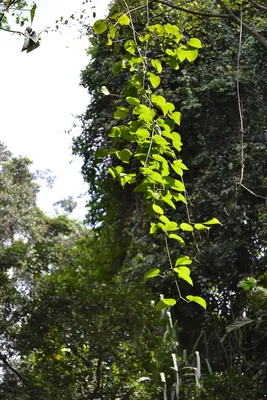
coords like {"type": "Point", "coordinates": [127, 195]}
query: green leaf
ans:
{"type": "Point", "coordinates": [201, 227]}
{"type": "Point", "coordinates": [176, 141]}
{"type": "Point", "coordinates": [164, 303]}
{"type": "Point", "coordinates": [137, 81]}
{"type": "Point", "coordinates": [160, 140]}
{"type": "Point", "coordinates": [121, 112]}
{"type": "Point", "coordinates": [194, 42]}
{"type": "Point", "coordinates": [100, 26]}
{"type": "Point", "coordinates": [186, 227]}
{"type": "Point", "coordinates": [176, 116]}
{"type": "Point", "coordinates": [191, 55]}
{"type": "Point", "coordinates": [175, 184]}
{"type": "Point", "coordinates": [157, 209]}
{"type": "Point", "coordinates": [158, 28]}
{"type": "Point", "coordinates": [152, 273]}
{"type": "Point", "coordinates": [173, 32]}
{"type": "Point", "coordinates": [101, 153]}
{"type": "Point", "coordinates": [32, 12]}
{"type": "Point", "coordinates": [112, 172]}
{"type": "Point", "coordinates": [159, 158]}
{"type": "Point", "coordinates": [124, 155]}
{"type": "Point", "coordinates": [154, 80]}
{"type": "Point", "coordinates": [180, 164]}
{"type": "Point", "coordinates": [179, 197]}
{"type": "Point", "coordinates": [119, 170]}
{"type": "Point", "coordinates": [171, 226]}
{"type": "Point", "coordinates": [198, 300]}
{"type": "Point", "coordinates": [247, 284]}
{"type": "Point", "coordinates": [130, 46]}
{"type": "Point", "coordinates": [124, 20]}
{"type": "Point", "coordinates": [109, 41]}
{"type": "Point", "coordinates": [181, 53]}
{"type": "Point", "coordinates": [168, 199]}
{"type": "Point", "coordinates": [145, 113]}
{"type": "Point", "coordinates": [129, 178]}
{"type": "Point", "coordinates": [164, 219]}
{"type": "Point", "coordinates": [154, 195]}
{"type": "Point", "coordinates": [178, 238]}
{"type": "Point", "coordinates": [177, 169]}
{"type": "Point", "coordinates": [112, 31]}
{"type": "Point", "coordinates": [213, 221]}
{"type": "Point", "coordinates": [144, 133]}
{"type": "Point", "coordinates": [153, 228]}
{"type": "Point", "coordinates": [115, 16]}
{"type": "Point", "coordinates": [184, 273]}
{"type": "Point", "coordinates": [157, 65]}
{"type": "Point", "coordinates": [185, 260]}
{"type": "Point", "coordinates": [133, 101]}
{"type": "Point", "coordinates": [156, 177]}
{"type": "Point", "coordinates": [117, 67]}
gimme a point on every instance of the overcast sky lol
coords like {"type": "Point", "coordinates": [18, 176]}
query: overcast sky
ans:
{"type": "Point", "coordinates": [40, 96]}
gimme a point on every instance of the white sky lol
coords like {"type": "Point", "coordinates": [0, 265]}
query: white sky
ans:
{"type": "Point", "coordinates": [40, 96]}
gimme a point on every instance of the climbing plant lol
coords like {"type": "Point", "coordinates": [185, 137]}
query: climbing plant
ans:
{"type": "Point", "coordinates": [146, 145]}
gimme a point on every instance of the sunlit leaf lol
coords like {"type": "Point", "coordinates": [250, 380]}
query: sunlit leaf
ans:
{"type": "Point", "coordinates": [100, 26]}
{"type": "Point", "coordinates": [213, 221]}
{"type": "Point", "coordinates": [157, 209]}
{"type": "Point", "coordinates": [194, 42]}
{"type": "Point", "coordinates": [185, 260]}
{"type": "Point", "coordinates": [133, 101]}
{"type": "Point", "coordinates": [201, 227]}
{"type": "Point", "coordinates": [184, 273]}
{"type": "Point", "coordinates": [186, 227]}
{"type": "Point", "coordinates": [152, 273]}
{"type": "Point", "coordinates": [165, 303]}
{"type": "Point", "coordinates": [157, 65]}
{"type": "Point", "coordinates": [178, 238]}
{"type": "Point", "coordinates": [198, 300]}
{"type": "Point", "coordinates": [124, 20]}
{"type": "Point", "coordinates": [247, 284]}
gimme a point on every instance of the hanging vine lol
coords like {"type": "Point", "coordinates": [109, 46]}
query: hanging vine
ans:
{"type": "Point", "coordinates": [151, 129]}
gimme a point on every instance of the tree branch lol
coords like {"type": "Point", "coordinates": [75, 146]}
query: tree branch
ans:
{"type": "Point", "coordinates": [245, 26]}
{"type": "Point", "coordinates": [199, 13]}
{"type": "Point", "coordinates": [4, 360]}
{"type": "Point", "coordinates": [259, 6]}
{"type": "Point", "coordinates": [9, 30]}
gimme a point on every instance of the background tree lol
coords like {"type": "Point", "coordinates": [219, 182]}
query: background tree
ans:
{"type": "Point", "coordinates": [217, 155]}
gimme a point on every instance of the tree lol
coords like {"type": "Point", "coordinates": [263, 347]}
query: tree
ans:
{"type": "Point", "coordinates": [219, 181]}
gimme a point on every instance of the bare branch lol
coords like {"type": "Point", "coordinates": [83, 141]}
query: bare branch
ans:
{"type": "Point", "coordinates": [259, 6]}
{"type": "Point", "coordinates": [245, 26]}
{"type": "Point", "coordinates": [199, 13]}
{"type": "Point", "coordinates": [9, 366]}
{"type": "Point", "coordinates": [9, 30]}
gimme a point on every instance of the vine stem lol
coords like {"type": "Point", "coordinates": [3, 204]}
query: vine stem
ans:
{"type": "Point", "coordinates": [188, 216]}
{"type": "Point", "coordinates": [239, 97]}
{"type": "Point", "coordinates": [170, 261]}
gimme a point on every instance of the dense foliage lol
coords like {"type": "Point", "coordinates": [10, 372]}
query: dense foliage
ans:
{"type": "Point", "coordinates": [205, 92]}
{"type": "Point", "coordinates": [77, 316]}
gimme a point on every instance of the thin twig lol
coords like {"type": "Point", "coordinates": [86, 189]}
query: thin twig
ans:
{"type": "Point", "coordinates": [261, 39]}
{"type": "Point", "coordinates": [4, 360]}
{"type": "Point", "coordinates": [9, 30]}
{"type": "Point", "coordinates": [251, 192]}
{"type": "Point", "coordinates": [199, 13]}
{"type": "Point", "coordinates": [259, 6]}
{"type": "Point", "coordinates": [188, 215]}
{"type": "Point", "coordinates": [170, 261]}
{"type": "Point", "coordinates": [239, 98]}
